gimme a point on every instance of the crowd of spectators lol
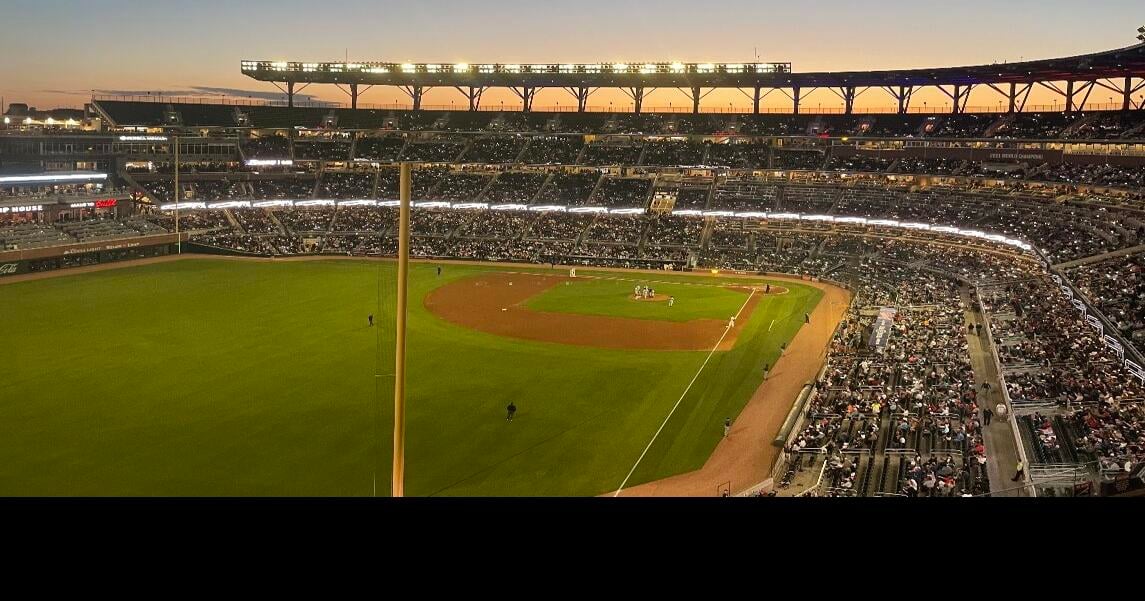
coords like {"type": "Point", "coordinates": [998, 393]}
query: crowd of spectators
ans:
{"type": "Point", "coordinates": [738, 155]}
{"type": "Point", "coordinates": [569, 189]}
{"type": "Point", "coordinates": [622, 193]}
{"type": "Point", "coordinates": [494, 149]}
{"type": "Point", "coordinates": [901, 419]}
{"type": "Point", "coordinates": [1117, 287]}
{"type": "Point", "coordinates": [552, 150]}
{"type": "Point", "coordinates": [514, 188]}
{"type": "Point", "coordinates": [283, 188]}
{"type": "Point", "coordinates": [806, 160]}
{"type": "Point", "coordinates": [335, 150]}
{"type": "Point", "coordinates": [939, 166]}
{"type": "Point", "coordinates": [601, 154]}
{"type": "Point", "coordinates": [384, 149]}
{"type": "Point", "coordinates": [459, 186]}
{"type": "Point", "coordinates": [674, 153]}
{"type": "Point", "coordinates": [858, 163]}
{"type": "Point", "coordinates": [266, 147]}
{"type": "Point", "coordinates": [1083, 407]}
{"type": "Point", "coordinates": [257, 222]}
{"type": "Point", "coordinates": [348, 184]}
{"type": "Point", "coordinates": [433, 151]}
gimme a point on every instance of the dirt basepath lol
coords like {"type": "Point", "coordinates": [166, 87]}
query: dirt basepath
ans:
{"type": "Point", "coordinates": [494, 303]}
{"type": "Point", "coordinates": [746, 456]}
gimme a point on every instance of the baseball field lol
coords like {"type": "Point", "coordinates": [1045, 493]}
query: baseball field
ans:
{"type": "Point", "coordinates": [231, 377]}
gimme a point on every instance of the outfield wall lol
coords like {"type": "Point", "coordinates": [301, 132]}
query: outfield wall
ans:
{"type": "Point", "coordinates": [34, 260]}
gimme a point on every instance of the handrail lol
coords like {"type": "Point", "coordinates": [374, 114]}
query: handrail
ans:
{"type": "Point", "coordinates": [1016, 433]}
{"type": "Point", "coordinates": [814, 488]}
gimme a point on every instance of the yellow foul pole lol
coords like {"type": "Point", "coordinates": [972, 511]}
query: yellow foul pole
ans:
{"type": "Point", "coordinates": [398, 481]}
{"type": "Point", "coordinates": [178, 236]}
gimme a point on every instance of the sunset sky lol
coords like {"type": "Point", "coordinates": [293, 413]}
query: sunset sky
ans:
{"type": "Point", "coordinates": [57, 52]}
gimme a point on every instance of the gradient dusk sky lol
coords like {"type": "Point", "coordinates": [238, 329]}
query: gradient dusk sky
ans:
{"type": "Point", "coordinates": [56, 52]}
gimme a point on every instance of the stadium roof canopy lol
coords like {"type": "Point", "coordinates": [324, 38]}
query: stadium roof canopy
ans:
{"type": "Point", "coordinates": [1113, 70]}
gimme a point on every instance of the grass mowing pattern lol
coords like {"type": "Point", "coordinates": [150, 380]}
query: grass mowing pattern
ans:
{"type": "Point", "coordinates": [205, 377]}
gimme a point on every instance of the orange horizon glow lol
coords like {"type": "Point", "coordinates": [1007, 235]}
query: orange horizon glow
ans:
{"type": "Point", "coordinates": [130, 47]}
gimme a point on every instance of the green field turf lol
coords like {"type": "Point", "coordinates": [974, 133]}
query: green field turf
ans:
{"type": "Point", "coordinates": [210, 377]}
{"type": "Point", "coordinates": [613, 296]}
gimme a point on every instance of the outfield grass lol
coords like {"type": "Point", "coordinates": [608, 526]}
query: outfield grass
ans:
{"type": "Point", "coordinates": [208, 377]}
{"type": "Point", "coordinates": [613, 297]}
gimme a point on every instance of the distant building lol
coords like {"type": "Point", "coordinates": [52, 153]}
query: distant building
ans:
{"type": "Point", "coordinates": [21, 116]}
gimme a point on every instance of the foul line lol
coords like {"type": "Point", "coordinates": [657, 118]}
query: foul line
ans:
{"type": "Point", "coordinates": [771, 326]}
{"type": "Point", "coordinates": [681, 399]}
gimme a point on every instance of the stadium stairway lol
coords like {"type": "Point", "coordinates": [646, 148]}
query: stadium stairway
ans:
{"type": "Point", "coordinates": [706, 233]}
{"type": "Point", "coordinates": [643, 153]}
{"type": "Point", "coordinates": [998, 437]}
{"type": "Point", "coordinates": [480, 197]}
{"type": "Point", "coordinates": [524, 149]}
{"type": "Point", "coordinates": [278, 224]}
{"type": "Point", "coordinates": [836, 201]}
{"type": "Point", "coordinates": [132, 183]}
{"type": "Point", "coordinates": [318, 182]}
{"type": "Point", "coordinates": [780, 193]}
{"type": "Point", "coordinates": [595, 187]}
{"type": "Point", "coordinates": [548, 181]}
{"type": "Point", "coordinates": [1121, 252]}
{"type": "Point", "coordinates": [233, 221]}
{"type": "Point", "coordinates": [1132, 133]}
{"type": "Point", "coordinates": [580, 154]}
{"type": "Point", "coordinates": [707, 154]}
{"type": "Point", "coordinates": [998, 123]}
{"type": "Point", "coordinates": [464, 149]}
{"type": "Point", "coordinates": [353, 148]}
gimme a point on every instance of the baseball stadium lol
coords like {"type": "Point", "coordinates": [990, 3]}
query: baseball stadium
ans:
{"type": "Point", "coordinates": [223, 296]}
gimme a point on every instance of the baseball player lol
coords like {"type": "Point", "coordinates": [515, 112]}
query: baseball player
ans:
{"type": "Point", "coordinates": [732, 321]}
{"type": "Point", "coordinates": [671, 300]}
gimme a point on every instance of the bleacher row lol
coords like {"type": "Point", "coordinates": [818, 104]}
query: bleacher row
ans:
{"type": "Point", "coordinates": [1074, 403]}
{"type": "Point", "coordinates": [902, 420]}
{"type": "Point", "coordinates": [1065, 228]}
{"type": "Point", "coordinates": [1050, 125]}
{"type": "Point", "coordinates": [24, 235]}
{"type": "Point", "coordinates": [650, 240]}
{"type": "Point", "coordinates": [647, 152]}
